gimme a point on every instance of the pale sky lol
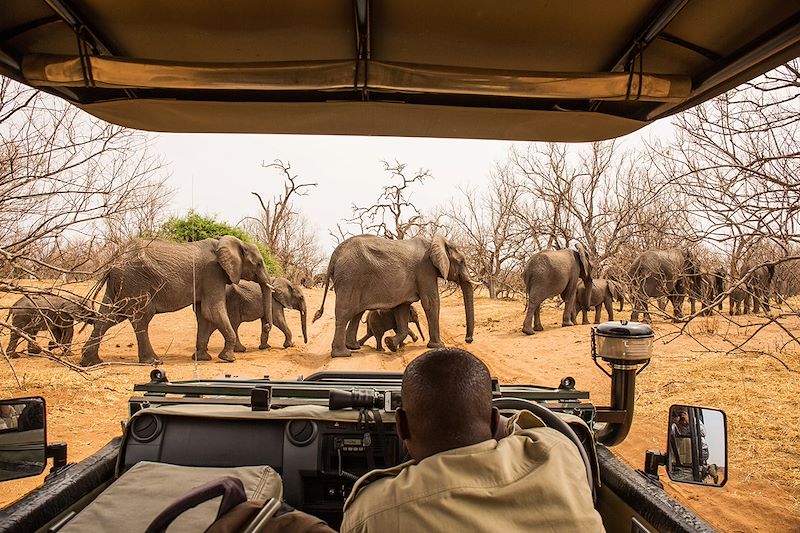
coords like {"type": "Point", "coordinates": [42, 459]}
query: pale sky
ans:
{"type": "Point", "coordinates": [225, 168]}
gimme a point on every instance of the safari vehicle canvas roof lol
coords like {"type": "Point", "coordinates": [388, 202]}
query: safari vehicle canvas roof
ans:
{"type": "Point", "coordinates": [527, 70]}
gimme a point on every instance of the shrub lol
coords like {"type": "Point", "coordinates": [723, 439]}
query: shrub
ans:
{"type": "Point", "coordinates": [196, 227]}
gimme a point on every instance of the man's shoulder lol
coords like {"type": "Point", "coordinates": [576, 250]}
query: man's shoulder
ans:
{"type": "Point", "coordinates": [487, 465]}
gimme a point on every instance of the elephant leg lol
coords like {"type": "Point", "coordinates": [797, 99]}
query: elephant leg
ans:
{"type": "Point", "coordinates": [90, 354]}
{"type": "Point", "coordinates": [212, 309]}
{"type": "Point", "coordinates": [11, 350]}
{"type": "Point", "coordinates": [141, 323]}
{"type": "Point", "coordinates": [763, 301]}
{"type": "Point", "coordinates": [609, 305]}
{"type": "Point", "coordinates": [280, 322]}
{"type": "Point", "coordinates": [67, 333]}
{"type": "Point", "coordinates": [33, 348]}
{"type": "Point", "coordinates": [532, 321]}
{"type": "Point", "coordinates": [366, 337]}
{"type": "Point", "coordinates": [204, 330]}
{"type": "Point", "coordinates": [430, 304]}
{"type": "Point", "coordinates": [584, 315]}
{"type": "Point", "coordinates": [401, 316]}
{"type": "Point", "coordinates": [379, 339]}
{"type": "Point", "coordinates": [413, 335]}
{"type": "Point", "coordinates": [235, 318]}
{"type": "Point", "coordinates": [636, 306]}
{"type": "Point", "coordinates": [641, 304]}
{"type": "Point", "coordinates": [351, 343]}
{"type": "Point", "coordinates": [597, 313]}
{"type": "Point", "coordinates": [338, 348]}
{"type": "Point", "coordinates": [239, 347]}
{"type": "Point", "coordinates": [677, 306]}
{"type": "Point", "coordinates": [570, 304]}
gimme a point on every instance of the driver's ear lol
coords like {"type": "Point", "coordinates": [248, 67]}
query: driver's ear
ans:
{"type": "Point", "coordinates": [496, 422]}
{"type": "Point", "coordinates": [402, 424]}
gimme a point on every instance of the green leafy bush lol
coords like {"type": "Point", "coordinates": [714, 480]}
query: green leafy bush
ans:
{"type": "Point", "coordinates": [196, 227]}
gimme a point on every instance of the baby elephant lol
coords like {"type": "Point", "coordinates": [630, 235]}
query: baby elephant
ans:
{"type": "Point", "coordinates": [604, 292]}
{"type": "Point", "coordinates": [44, 312]}
{"type": "Point", "coordinates": [380, 321]}
{"type": "Point", "coordinates": [243, 303]}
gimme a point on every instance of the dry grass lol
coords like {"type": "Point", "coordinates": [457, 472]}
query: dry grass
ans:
{"type": "Point", "coordinates": [754, 388]}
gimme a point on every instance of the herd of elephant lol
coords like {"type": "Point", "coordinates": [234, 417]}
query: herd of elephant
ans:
{"type": "Point", "coordinates": [226, 282]}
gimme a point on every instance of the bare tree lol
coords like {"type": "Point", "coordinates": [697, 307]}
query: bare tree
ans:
{"type": "Point", "coordinates": [284, 230]}
{"type": "Point", "coordinates": [393, 215]}
{"type": "Point", "coordinates": [494, 238]}
{"type": "Point", "coordinates": [602, 196]}
{"type": "Point", "coordinates": [736, 161]}
{"type": "Point", "coordinates": [71, 188]}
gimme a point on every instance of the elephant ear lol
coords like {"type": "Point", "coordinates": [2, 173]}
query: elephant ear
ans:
{"type": "Point", "coordinates": [229, 257]}
{"type": "Point", "coordinates": [439, 257]}
{"type": "Point", "coordinates": [281, 296]}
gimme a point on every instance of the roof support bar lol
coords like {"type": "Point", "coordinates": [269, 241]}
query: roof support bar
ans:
{"type": "Point", "coordinates": [735, 69]}
{"type": "Point", "coordinates": [362, 10]}
{"type": "Point", "coordinates": [68, 15]}
{"type": "Point", "coordinates": [668, 12]}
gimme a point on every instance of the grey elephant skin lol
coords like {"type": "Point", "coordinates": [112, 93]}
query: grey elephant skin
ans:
{"type": "Point", "coordinates": [155, 276]}
{"type": "Point", "coordinates": [669, 273]}
{"type": "Point", "coordinates": [383, 320]}
{"type": "Point", "coordinates": [604, 292]}
{"type": "Point", "coordinates": [759, 284]}
{"type": "Point", "coordinates": [243, 302]}
{"type": "Point", "coordinates": [45, 312]}
{"type": "Point", "coordinates": [551, 273]}
{"type": "Point", "coordinates": [371, 272]}
{"type": "Point", "coordinates": [739, 298]}
{"type": "Point", "coordinates": [712, 284]}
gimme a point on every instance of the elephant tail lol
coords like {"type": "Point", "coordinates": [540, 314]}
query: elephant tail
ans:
{"type": "Point", "coordinates": [328, 276]}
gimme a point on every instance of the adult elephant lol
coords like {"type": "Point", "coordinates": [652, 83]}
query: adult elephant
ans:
{"type": "Point", "coordinates": [156, 276]}
{"type": "Point", "coordinates": [244, 304]}
{"type": "Point", "coordinates": [669, 273]}
{"type": "Point", "coordinates": [550, 273]}
{"type": "Point", "coordinates": [759, 284]}
{"type": "Point", "coordinates": [376, 273]}
{"type": "Point", "coordinates": [604, 292]}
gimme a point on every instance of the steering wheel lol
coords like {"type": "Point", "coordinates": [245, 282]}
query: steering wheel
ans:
{"type": "Point", "coordinates": [551, 420]}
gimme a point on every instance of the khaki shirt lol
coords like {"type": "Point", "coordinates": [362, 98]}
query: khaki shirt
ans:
{"type": "Point", "coordinates": [533, 480]}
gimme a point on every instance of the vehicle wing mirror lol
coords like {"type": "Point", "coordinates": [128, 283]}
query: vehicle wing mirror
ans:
{"type": "Point", "coordinates": [23, 438]}
{"type": "Point", "coordinates": [697, 445]}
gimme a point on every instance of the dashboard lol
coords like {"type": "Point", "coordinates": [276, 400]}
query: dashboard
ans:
{"type": "Point", "coordinates": [318, 460]}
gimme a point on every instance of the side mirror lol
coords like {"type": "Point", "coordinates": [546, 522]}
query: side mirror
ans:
{"type": "Point", "coordinates": [697, 446]}
{"type": "Point", "coordinates": [23, 438]}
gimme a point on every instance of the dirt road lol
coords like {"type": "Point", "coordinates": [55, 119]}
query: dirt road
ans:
{"type": "Point", "coordinates": [754, 388]}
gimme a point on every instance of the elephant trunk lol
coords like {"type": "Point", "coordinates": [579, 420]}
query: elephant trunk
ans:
{"type": "Point", "coordinates": [266, 303]}
{"type": "Point", "coordinates": [303, 321]}
{"type": "Point", "coordinates": [587, 294]}
{"type": "Point", "coordinates": [469, 308]}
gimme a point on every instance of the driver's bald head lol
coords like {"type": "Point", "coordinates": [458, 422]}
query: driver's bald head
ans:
{"type": "Point", "coordinates": [447, 401]}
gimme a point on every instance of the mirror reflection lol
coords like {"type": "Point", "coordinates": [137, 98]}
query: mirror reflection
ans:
{"type": "Point", "coordinates": [697, 445]}
{"type": "Point", "coordinates": [22, 438]}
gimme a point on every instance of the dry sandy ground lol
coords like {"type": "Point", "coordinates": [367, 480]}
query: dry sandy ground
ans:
{"type": "Point", "coordinates": [755, 389]}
